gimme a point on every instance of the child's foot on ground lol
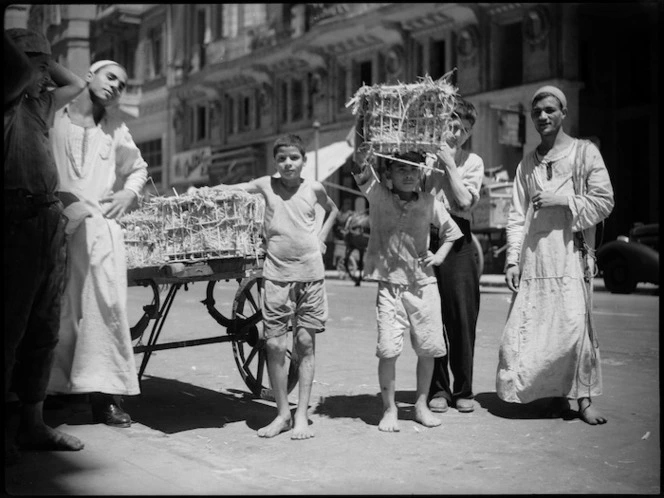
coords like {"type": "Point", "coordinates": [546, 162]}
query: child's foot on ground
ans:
{"type": "Point", "coordinates": [389, 422]}
{"type": "Point", "coordinates": [46, 438]}
{"type": "Point", "coordinates": [589, 414]}
{"type": "Point", "coordinates": [276, 427]}
{"type": "Point", "coordinates": [425, 417]}
{"type": "Point", "coordinates": [301, 429]}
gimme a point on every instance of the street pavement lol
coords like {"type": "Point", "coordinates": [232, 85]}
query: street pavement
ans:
{"type": "Point", "coordinates": [194, 430]}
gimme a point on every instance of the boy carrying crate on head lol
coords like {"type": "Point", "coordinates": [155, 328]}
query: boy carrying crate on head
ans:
{"type": "Point", "coordinates": [398, 258]}
{"type": "Point", "coordinates": [293, 276]}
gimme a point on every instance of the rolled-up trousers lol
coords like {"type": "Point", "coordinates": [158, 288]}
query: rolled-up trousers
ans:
{"type": "Point", "coordinates": [459, 285]}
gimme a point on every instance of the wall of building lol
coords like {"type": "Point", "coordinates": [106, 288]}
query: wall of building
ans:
{"type": "Point", "coordinates": [242, 64]}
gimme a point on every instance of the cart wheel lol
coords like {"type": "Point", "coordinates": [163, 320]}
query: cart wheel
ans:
{"type": "Point", "coordinates": [249, 345]}
{"type": "Point", "coordinates": [209, 304]}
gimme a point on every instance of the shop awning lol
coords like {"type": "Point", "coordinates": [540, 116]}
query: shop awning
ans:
{"type": "Point", "coordinates": [330, 158]}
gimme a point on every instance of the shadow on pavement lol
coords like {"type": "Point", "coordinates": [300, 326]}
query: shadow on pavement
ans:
{"type": "Point", "coordinates": [534, 410]}
{"type": "Point", "coordinates": [366, 407]}
{"type": "Point", "coordinates": [171, 406]}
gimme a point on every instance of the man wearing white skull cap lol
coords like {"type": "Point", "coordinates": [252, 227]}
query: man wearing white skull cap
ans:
{"type": "Point", "coordinates": [562, 190]}
{"type": "Point", "coordinates": [102, 173]}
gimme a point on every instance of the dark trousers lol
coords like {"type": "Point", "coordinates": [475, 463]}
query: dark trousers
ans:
{"type": "Point", "coordinates": [459, 286]}
{"type": "Point", "coordinates": [35, 257]}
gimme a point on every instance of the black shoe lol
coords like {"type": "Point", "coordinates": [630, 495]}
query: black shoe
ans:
{"type": "Point", "coordinates": [106, 411]}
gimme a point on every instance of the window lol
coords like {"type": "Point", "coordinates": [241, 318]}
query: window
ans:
{"type": "Point", "coordinates": [155, 51]}
{"type": "Point", "coordinates": [217, 21]}
{"type": "Point", "coordinates": [283, 101]}
{"type": "Point", "coordinates": [437, 59]}
{"type": "Point", "coordinates": [419, 58]}
{"type": "Point", "coordinates": [152, 153]}
{"type": "Point", "coordinates": [201, 122]}
{"type": "Point", "coordinates": [363, 74]}
{"type": "Point", "coordinates": [342, 95]}
{"type": "Point", "coordinates": [297, 99]}
{"type": "Point", "coordinates": [245, 118]}
{"type": "Point", "coordinates": [230, 122]}
{"type": "Point", "coordinates": [258, 109]}
{"type": "Point", "coordinates": [511, 60]}
{"type": "Point", "coordinates": [202, 34]}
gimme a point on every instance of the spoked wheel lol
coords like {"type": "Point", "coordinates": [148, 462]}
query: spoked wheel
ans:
{"type": "Point", "coordinates": [210, 302]}
{"type": "Point", "coordinates": [249, 343]}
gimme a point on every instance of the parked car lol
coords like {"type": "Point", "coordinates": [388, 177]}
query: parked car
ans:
{"type": "Point", "coordinates": [630, 259]}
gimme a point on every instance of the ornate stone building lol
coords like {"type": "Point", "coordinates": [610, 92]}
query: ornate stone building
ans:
{"type": "Point", "coordinates": [212, 85]}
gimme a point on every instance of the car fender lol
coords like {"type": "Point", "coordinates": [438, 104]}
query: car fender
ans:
{"type": "Point", "coordinates": [643, 260]}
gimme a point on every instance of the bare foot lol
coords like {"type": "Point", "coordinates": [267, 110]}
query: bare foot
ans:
{"type": "Point", "coordinates": [389, 422]}
{"type": "Point", "coordinates": [425, 417]}
{"type": "Point", "coordinates": [301, 429]}
{"type": "Point", "coordinates": [45, 438]}
{"type": "Point", "coordinates": [589, 414]}
{"type": "Point", "coordinates": [276, 427]}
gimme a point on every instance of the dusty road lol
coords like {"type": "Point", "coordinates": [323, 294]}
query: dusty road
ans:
{"type": "Point", "coordinates": [195, 430]}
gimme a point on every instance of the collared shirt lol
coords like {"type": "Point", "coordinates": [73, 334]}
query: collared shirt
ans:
{"type": "Point", "coordinates": [471, 171]}
{"type": "Point", "coordinates": [400, 233]}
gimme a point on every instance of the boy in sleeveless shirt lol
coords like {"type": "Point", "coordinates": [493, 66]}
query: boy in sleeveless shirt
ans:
{"type": "Point", "coordinates": [293, 276]}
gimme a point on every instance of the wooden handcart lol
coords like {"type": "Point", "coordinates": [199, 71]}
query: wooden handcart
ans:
{"type": "Point", "coordinates": [243, 328]}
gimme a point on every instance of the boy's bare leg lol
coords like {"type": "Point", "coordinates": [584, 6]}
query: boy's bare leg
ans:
{"type": "Point", "coordinates": [589, 414]}
{"type": "Point", "coordinates": [35, 434]}
{"type": "Point", "coordinates": [305, 344]}
{"type": "Point", "coordinates": [275, 348]}
{"type": "Point", "coordinates": [386, 379]}
{"type": "Point", "coordinates": [422, 413]}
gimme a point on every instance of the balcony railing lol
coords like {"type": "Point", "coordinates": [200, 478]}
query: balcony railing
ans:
{"type": "Point", "coordinates": [318, 13]}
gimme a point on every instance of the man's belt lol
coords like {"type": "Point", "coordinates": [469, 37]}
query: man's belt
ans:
{"type": "Point", "coordinates": [36, 200]}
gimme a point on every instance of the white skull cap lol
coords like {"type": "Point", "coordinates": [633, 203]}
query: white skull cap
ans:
{"type": "Point", "coordinates": [99, 64]}
{"type": "Point", "coordinates": [553, 90]}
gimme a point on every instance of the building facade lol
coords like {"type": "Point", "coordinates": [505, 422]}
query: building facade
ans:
{"type": "Point", "coordinates": [212, 85]}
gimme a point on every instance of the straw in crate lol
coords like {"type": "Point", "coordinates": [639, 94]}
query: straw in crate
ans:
{"type": "Point", "coordinates": [143, 241]}
{"type": "Point", "coordinates": [212, 224]}
{"type": "Point", "coordinates": [394, 119]}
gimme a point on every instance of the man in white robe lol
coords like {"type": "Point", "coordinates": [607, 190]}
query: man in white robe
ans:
{"type": "Point", "coordinates": [102, 171]}
{"type": "Point", "coordinates": [562, 189]}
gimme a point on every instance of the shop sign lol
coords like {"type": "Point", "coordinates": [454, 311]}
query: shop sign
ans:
{"type": "Point", "coordinates": [511, 128]}
{"type": "Point", "coordinates": [191, 166]}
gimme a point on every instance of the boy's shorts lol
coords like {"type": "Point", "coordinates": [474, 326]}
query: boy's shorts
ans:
{"type": "Point", "coordinates": [416, 308]}
{"type": "Point", "coordinates": [306, 300]}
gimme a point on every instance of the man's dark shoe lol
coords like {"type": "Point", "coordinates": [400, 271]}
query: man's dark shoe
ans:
{"type": "Point", "coordinates": [106, 411]}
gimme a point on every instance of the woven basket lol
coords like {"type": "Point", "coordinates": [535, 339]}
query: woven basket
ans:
{"type": "Point", "coordinates": [207, 224]}
{"type": "Point", "coordinates": [401, 118]}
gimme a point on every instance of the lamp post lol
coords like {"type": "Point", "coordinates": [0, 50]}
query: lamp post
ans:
{"type": "Point", "coordinates": [316, 125]}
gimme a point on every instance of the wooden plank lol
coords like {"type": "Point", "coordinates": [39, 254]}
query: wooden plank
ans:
{"type": "Point", "coordinates": [184, 272]}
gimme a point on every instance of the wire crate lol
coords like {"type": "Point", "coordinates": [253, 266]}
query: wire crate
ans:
{"type": "Point", "coordinates": [207, 224]}
{"type": "Point", "coordinates": [405, 117]}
